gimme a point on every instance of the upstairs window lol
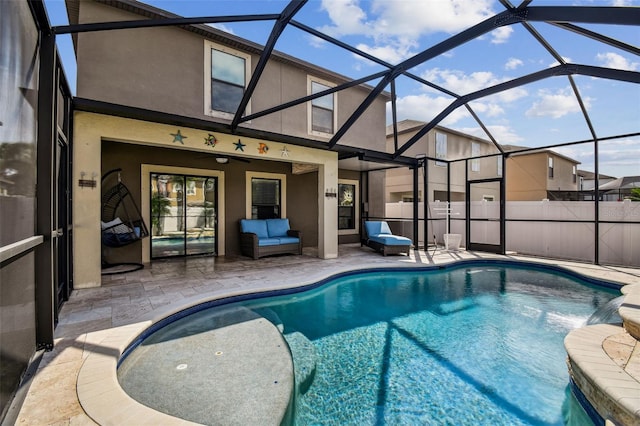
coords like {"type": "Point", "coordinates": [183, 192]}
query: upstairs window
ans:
{"type": "Point", "coordinates": [226, 76]}
{"type": "Point", "coordinates": [550, 167]}
{"type": "Point", "coordinates": [322, 115]}
{"type": "Point", "coordinates": [499, 165]}
{"type": "Point", "coordinates": [575, 175]}
{"type": "Point", "coordinates": [441, 148]}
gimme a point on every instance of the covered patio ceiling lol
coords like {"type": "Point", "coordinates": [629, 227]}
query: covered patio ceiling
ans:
{"type": "Point", "coordinates": [550, 25]}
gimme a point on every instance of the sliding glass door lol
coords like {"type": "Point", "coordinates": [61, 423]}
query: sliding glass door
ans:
{"type": "Point", "coordinates": [183, 215]}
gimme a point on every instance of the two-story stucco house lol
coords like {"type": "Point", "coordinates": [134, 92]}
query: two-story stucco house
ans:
{"type": "Point", "coordinates": [158, 104]}
{"type": "Point", "coordinates": [533, 175]}
{"type": "Point", "coordinates": [447, 145]}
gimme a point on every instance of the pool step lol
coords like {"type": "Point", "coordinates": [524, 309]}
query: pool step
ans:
{"type": "Point", "coordinates": [304, 360]}
{"type": "Point", "coordinates": [302, 350]}
{"type": "Point", "coordinates": [271, 316]}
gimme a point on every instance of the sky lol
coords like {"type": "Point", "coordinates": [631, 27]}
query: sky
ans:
{"type": "Point", "coordinates": [539, 114]}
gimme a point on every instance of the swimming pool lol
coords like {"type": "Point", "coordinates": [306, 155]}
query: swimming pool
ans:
{"type": "Point", "coordinates": [476, 343]}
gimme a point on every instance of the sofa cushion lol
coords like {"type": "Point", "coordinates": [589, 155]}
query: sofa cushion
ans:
{"type": "Point", "coordinates": [288, 240]}
{"type": "Point", "coordinates": [377, 228]}
{"type": "Point", "coordinates": [277, 227]}
{"type": "Point", "coordinates": [269, 242]}
{"type": "Point", "coordinates": [391, 240]}
{"type": "Point", "coordinates": [255, 226]}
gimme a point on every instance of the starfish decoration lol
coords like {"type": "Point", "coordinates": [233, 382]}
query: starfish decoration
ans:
{"type": "Point", "coordinates": [210, 140]}
{"type": "Point", "coordinates": [239, 145]}
{"type": "Point", "coordinates": [262, 148]}
{"type": "Point", "coordinates": [177, 137]}
{"type": "Point", "coordinates": [284, 152]}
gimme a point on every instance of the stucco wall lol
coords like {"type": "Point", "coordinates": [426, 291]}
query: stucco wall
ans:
{"type": "Point", "coordinates": [302, 204]}
{"type": "Point", "coordinates": [526, 177]}
{"type": "Point", "coordinates": [400, 181]}
{"type": "Point", "coordinates": [163, 69]}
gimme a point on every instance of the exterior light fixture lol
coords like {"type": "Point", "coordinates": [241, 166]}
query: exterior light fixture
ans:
{"type": "Point", "coordinates": [222, 160]}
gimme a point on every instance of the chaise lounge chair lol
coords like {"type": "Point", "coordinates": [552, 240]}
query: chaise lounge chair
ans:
{"type": "Point", "coordinates": [378, 236]}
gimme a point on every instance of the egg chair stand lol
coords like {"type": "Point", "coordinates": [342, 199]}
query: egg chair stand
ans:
{"type": "Point", "coordinates": [121, 222]}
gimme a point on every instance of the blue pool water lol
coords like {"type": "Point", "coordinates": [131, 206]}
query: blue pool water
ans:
{"type": "Point", "coordinates": [466, 345]}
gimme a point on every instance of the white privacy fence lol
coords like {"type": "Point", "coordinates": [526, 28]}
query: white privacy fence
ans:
{"type": "Point", "coordinates": [556, 229]}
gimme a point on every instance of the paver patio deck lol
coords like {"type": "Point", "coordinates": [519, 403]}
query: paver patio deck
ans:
{"type": "Point", "coordinates": [163, 286]}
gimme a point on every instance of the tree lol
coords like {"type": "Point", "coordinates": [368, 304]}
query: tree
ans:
{"type": "Point", "coordinates": [635, 194]}
{"type": "Point", "coordinates": [159, 207]}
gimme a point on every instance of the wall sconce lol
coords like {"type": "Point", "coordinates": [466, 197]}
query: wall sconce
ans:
{"type": "Point", "coordinates": [331, 193]}
{"type": "Point", "coordinates": [87, 183]}
{"type": "Point", "coordinates": [222, 160]}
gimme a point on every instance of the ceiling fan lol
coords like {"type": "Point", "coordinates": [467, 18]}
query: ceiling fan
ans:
{"type": "Point", "coordinates": [224, 159]}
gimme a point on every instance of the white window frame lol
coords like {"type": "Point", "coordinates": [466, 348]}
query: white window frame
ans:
{"type": "Point", "coordinates": [310, 131]}
{"type": "Point", "coordinates": [499, 166]}
{"type": "Point", "coordinates": [356, 206]}
{"type": "Point", "coordinates": [263, 175]}
{"type": "Point", "coordinates": [441, 148]}
{"type": "Point", "coordinates": [475, 151]}
{"type": "Point", "coordinates": [208, 45]}
{"type": "Point", "coordinates": [551, 173]}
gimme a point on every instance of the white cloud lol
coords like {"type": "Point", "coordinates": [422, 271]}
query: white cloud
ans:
{"type": "Point", "coordinates": [424, 108]}
{"type": "Point", "coordinates": [513, 63]}
{"type": "Point", "coordinates": [613, 60]}
{"type": "Point", "coordinates": [347, 17]}
{"type": "Point", "coordinates": [459, 82]}
{"type": "Point", "coordinates": [502, 134]}
{"type": "Point", "coordinates": [393, 52]}
{"type": "Point", "coordinates": [399, 24]}
{"type": "Point", "coordinates": [501, 35]}
{"type": "Point", "coordinates": [556, 105]}
{"type": "Point", "coordinates": [489, 109]}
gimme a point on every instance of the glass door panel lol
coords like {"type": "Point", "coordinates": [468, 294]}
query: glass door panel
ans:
{"type": "Point", "coordinates": [200, 212]}
{"type": "Point", "coordinates": [183, 215]}
{"type": "Point", "coordinates": [167, 232]}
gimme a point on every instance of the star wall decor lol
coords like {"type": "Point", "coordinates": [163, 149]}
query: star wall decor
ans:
{"type": "Point", "coordinates": [239, 145]}
{"type": "Point", "coordinates": [178, 137]}
{"type": "Point", "coordinates": [284, 152]}
{"type": "Point", "coordinates": [210, 140]}
{"type": "Point", "coordinates": [262, 148]}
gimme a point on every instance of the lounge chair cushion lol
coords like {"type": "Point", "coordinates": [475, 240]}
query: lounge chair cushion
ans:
{"type": "Point", "coordinates": [390, 240]}
{"type": "Point", "coordinates": [277, 227]}
{"type": "Point", "coordinates": [377, 228]}
{"type": "Point", "coordinates": [258, 227]}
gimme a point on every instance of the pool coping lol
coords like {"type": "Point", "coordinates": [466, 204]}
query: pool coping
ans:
{"type": "Point", "coordinates": [97, 386]}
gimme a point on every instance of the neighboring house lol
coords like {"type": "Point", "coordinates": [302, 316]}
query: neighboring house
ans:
{"type": "Point", "coordinates": [531, 175]}
{"type": "Point", "coordinates": [446, 144]}
{"type": "Point", "coordinates": [588, 180]}
{"type": "Point", "coordinates": [587, 184]}
{"type": "Point", "coordinates": [536, 175]}
{"type": "Point", "coordinates": [151, 101]}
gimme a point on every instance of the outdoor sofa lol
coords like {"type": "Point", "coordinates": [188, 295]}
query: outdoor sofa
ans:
{"type": "Point", "coordinates": [378, 236]}
{"type": "Point", "coordinates": [264, 237]}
